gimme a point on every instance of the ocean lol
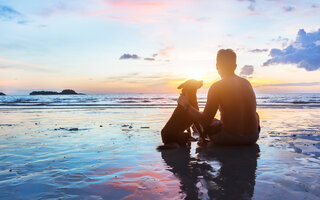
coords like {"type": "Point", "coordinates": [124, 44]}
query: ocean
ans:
{"type": "Point", "coordinates": [299, 100]}
{"type": "Point", "coordinates": [104, 147]}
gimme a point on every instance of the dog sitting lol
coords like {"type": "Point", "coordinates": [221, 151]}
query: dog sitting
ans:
{"type": "Point", "coordinates": [173, 134]}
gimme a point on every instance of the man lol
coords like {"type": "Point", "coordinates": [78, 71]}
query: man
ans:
{"type": "Point", "coordinates": [236, 101]}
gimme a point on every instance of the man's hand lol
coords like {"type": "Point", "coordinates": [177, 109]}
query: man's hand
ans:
{"type": "Point", "coordinates": [183, 101]}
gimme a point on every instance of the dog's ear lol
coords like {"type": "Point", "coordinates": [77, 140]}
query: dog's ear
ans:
{"type": "Point", "coordinates": [186, 84]}
{"type": "Point", "coordinates": [181, 85]}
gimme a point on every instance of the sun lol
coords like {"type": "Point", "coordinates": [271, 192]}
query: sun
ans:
{"type": "Point", "coordinates": [195, 75]}
{"type": "Point", "coordinates": [205, 76]}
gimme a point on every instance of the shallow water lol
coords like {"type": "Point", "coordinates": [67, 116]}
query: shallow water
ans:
{"type": "Point", "coordinates": [110, 154]}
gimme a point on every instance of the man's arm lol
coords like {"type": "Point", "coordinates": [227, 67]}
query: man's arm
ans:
{"type": "Point", "coordinates": [210, 110]}
{"type": "Point", "coordinates": [212, 105]}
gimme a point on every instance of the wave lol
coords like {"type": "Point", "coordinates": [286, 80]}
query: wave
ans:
{"type": "Point", "coordinates": [306, 102]}
{"type": "Point", "coordinates": [71, 106]}
{"type": "Point", "coordinates": [145, 101]}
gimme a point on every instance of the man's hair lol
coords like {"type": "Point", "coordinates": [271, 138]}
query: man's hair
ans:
{"type": "Point", "coordinates": [227, 58]}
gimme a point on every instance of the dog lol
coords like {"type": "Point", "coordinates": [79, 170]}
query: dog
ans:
{"type": "Point", "coordinates": [173, 134]}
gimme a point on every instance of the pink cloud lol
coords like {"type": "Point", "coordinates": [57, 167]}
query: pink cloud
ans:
{"type": "Point", "coordinates": [165, 51]}
{"type": "Point", "coordinates": [133, 3]}
{"type": "Point", "coordinates": [130, 11]}
{"type": "Point", "coordinates": [142, 10]}
{"type": "Point", "coordinates": [127, 11]}
{"type": "Point", "coordinates": [194, 19]}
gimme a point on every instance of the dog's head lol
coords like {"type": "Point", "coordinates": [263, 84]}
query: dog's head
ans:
{"type": "Point", "coordinates": [190, 85]}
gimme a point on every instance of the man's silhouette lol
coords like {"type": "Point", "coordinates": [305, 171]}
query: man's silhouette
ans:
{"type": "Point", "coordinates": [236, 101]}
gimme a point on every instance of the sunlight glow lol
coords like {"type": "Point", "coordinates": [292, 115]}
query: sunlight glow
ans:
{"type": "Point", "coordinates": [195, 75]}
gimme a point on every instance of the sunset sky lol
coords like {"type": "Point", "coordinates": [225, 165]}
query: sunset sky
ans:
{"type": "Point", "coordinates": [117, 46]}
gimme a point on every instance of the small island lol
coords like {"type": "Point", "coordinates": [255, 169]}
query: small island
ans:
{"type": "Point", "coordinates": [2, 94]}
{"type": "Point", "coordinates": [64, 92]}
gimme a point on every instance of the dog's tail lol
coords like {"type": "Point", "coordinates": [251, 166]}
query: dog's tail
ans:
{"type": "Point", "coordinates": [168, 146]}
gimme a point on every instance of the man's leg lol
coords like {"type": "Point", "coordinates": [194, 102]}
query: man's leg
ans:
{"type": "Point", "coordinates": [226, 138]}
{"type": "Point", "coordinates": [214, 128]}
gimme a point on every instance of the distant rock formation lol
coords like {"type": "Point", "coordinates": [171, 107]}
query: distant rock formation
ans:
{"type": "Point", "coordinates": [43, 93]}
{"type": "Point", "coordinates": [64, 92]}
{"type": "Point", "coordinates": [2, 94]}
{"type": "Point", "coordinates": [68, 91]}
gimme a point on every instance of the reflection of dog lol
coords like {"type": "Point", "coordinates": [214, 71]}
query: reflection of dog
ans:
{"type": "Point", "coordinates": [173, 133]}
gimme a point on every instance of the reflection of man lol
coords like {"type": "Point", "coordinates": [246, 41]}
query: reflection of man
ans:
{"type": "Point", "coordinates": [236, 176]}
{"type": "Point", "coordinates": [231, 177]}
{"type": "Point", "coordinates": [236, 101]}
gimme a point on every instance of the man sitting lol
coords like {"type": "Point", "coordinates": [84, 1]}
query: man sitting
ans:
{"type": "Point", "coordinates": [236, 101]}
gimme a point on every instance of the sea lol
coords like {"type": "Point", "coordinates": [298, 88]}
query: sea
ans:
{"type": "Point", "coordinates": [276, 100]}
{"type": "Point", "coordinates": [104, 147]}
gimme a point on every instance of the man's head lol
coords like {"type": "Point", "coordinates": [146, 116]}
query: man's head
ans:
{"type": "Point", "coordinates": [226, 62]}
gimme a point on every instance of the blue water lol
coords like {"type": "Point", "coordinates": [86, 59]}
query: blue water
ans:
{"type": "Point", "coordinates": [300, 100]}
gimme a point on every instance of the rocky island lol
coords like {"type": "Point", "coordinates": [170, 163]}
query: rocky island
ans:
{"type": "Point", "coordinates": [2, 94]}
{"type": "Point", "coordinates": [64, 92]}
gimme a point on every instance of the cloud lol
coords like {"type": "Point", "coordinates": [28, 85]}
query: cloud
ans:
{"type": "Point", "coordinates": [282, 40]}
{"type": "Point", "coordinates": [161, 55]}
{"type": "Point", "coordinates": [194, 19]}
{"type": "Point", "coordinates": [304, 52]}
{"type": "Point", "coordinates": [129, 56]}
{"type": "Point", "coordinates": [81, 8]}
{"type": "Point", "coordinates": [246, 71]}
{"type": "Point", "coordinates": [145, 11]}
{"type": "Point", "coordinates": [141, 3]}
{"type": "Point", "coordinates": [165, 51]}
{"type": "Point", "coordinates": [258, 50]}
{"type": "Point", "coordinates": [122, 77]}
{"type": "Point", "coordinates": [159, 82]}
{"type": "Point", "coordinates": [43, 26]}
{"type": "Point", "coordinates": [7, 14]}
{"type": "Point", "coordinates": [136, 11]}
{"type": "Point", "coordinates": [150, 59]}
{"type": "Point", "coordinates": [126, 11]}
{"type": "Point", "coordinates": [7, 64]}
{"type": "Point", "coordinates": [288, 8]}
{"type": "Point", "coordinates": [252, 4]}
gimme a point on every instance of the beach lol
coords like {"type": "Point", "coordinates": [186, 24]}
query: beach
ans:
{"type": "Point", "coordinates": [75, 151]}
{"type": "Point", "coordinates": [89, 94]}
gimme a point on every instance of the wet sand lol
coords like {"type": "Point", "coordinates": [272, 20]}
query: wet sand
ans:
{"type": "Point", "coordinates": [111, 154]}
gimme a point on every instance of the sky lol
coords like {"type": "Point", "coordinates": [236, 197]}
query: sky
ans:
{"type": "Point", "coordinates": [151, 46]}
